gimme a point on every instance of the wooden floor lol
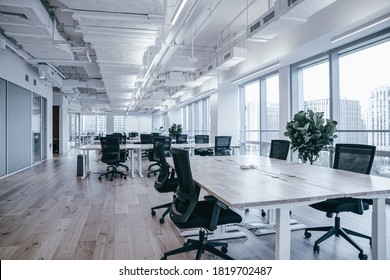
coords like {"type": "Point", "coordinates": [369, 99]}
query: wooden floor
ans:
{"type": "Point", "coordinates": [46, 212]}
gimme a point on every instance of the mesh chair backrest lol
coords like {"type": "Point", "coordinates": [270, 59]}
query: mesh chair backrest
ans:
{"type": "Point", "coordinates": [201, 139]}
{"type": "Point", "coordinates": [146, 138]}
{"type": "Point", "coordinates": [222, 145]}
{"type": "Point", "coordinates": [354, 157]}
{"type": "Point", "coordinates": [279, 149]}
{"type": "Point", "coordinates": [110, 149]}
{"type": "Point", "coordinates": [164, 171]}
{"type": "Point", "coordinates": [181, 138]}
{"type": "Point", "coordinates": [187, 193]}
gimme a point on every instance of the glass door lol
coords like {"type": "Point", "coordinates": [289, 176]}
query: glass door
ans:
{"type": "Point", "coordinates": [36, 128]}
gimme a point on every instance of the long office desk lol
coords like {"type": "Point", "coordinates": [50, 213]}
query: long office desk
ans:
{"type": "Point", "coordinates": [282, 185]}
{"type": "Point", "coordinates": [138, 148]}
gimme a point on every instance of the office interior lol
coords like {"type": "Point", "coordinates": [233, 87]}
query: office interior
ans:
{"type": "Point", "coordinates": [241, 68]}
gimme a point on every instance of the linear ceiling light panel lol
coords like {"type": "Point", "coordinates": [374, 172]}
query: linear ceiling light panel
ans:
{"type": "Point", "coordinates": [361, 28]}
{"type": "Point", "coordinates": [256, 72]}
{"type": "Point", "coordinates": [178, 12]}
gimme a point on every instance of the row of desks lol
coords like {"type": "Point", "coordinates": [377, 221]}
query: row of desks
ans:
{"type": "Point", "coordinates": [283, 185]}
{"type": "Point", "coordinates": [136, 150]}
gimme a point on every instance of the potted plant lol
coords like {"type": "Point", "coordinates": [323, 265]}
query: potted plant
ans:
{"type": "Point", "coordinates": [175, 129]}
{"type": "Point", "coordinates": [310, 133]}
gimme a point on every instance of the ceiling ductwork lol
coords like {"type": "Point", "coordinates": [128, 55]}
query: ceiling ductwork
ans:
{"type": "Point", "coordinates": [28, 22]}
{"type": "Point", "coordinates": [282, 16]}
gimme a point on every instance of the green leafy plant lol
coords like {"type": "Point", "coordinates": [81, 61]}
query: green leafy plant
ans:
{"type": "Point", "coordinates": [310, 133]}
{"type": "Point", "coordinates": [175, 129]}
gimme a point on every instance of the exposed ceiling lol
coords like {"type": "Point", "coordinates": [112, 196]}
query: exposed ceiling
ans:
{"type": "Point", "coordinates": [127, 56]}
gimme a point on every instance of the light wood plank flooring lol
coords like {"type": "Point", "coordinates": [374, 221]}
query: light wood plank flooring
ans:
{"type": "Point", "coordinates": [46, 212]}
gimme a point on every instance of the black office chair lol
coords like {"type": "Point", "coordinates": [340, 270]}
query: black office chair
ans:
{"type": "Point", "coordinates": [279, 150]}
{"type": "Point", "coordinates": [181, 138]}
{"type": "Point", "coordinates": [124, 153]}
{"type": "Point", "coordinates": [351, 157]}
{"type": "Point", "coordinates": [133, 135]}
{"type": "Point", "coordinates": [188, 212]}
{"type": "Point", "coordinates": [202, 139]}
{"type": "Point", "coordinates": [165, 182]}
{"type": "Point", "coordinates": [146, 139]}
{"type": "Point", "coordinates": [222, 145]}
{"type": "Point", "coordinates": [154, 157]}
{"type": "Point", "coordinates": [111, 155]}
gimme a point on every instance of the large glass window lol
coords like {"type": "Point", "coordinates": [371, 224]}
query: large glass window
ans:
{"type": "Point", "coordinates": [119, 124]}
{"type": "Point", "coordinates": [365, 99]}
{"type": "Point", "coordinates": [260, 108]}
{"type": "Point", "coordinates": [93, 124]}
{"type": "Point", "coordinates": [356, 95]}
{"type": "Point", "coordinates": [197, 117]}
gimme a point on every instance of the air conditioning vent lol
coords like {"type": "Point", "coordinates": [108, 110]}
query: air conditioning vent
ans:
{"type": "Point", "coordinates": [283, 15]}
{"type": "Point", "coordinates": [291, 2]}
{"type": "Point", "coordinates": [255, 26]}
{"type": "Point", "coordinates": [231, 58]}
{"type": "Point", "coordinates": [268, 17]}
{"type": "Point", "coordinates": [10, 14]}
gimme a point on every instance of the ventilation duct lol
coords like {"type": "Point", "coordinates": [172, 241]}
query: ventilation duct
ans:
{"type": "Point", "coordinates": [232, 57]}
{"type": "Point", "coordinates": [283, 15]}
{"type": "Point", "coordinates": [48, 73]}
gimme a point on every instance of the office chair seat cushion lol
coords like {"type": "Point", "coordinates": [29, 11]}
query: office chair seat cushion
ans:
{"type": "Point", "coordinates": [203, 152]}
{"type": "Point", "coordinates": [202, 214]}
{"type": "Point", "coordinates": [338, 205]}
{"type": "Point", "coordinates": [170, 185]}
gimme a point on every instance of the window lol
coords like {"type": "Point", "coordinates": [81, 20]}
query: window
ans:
{"type": "Point", "coordinates": [365, 99]}
{"type": "Point", "coordinates": [197, 117]}
{"type": "Point", "coordinates": [119, 124]}
{"type": "Point", "coordinates": [93, 124]}
{"type": "Point", "coordinates": [356, 94]}
{"type": "Point", "coordinates": [260, 109]}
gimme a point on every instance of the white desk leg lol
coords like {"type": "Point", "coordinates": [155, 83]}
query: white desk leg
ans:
{"type": "Point", "coordinates": [132, 174]}
{"type": "Point", "coordinates": [86, 165]}
{"type": "Point", "coordinates": [379, 245]}
{"type": "Point", "coordinates": [282, 235]}
{"type": "Point", "coordinates": [140, 163]}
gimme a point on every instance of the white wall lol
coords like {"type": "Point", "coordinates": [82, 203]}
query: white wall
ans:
{"type": "Point", "coordinates": [228, 111]}
{"type": "Point", "coordinates": [13, 69]}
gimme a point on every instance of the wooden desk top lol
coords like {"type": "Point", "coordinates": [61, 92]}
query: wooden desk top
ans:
{"type": "Point", "coordinates": [275, 183]}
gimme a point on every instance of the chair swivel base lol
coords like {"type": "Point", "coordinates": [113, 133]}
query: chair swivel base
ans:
{"type": "Point", "coordinates": [337, 231]}
{"type": "Point", "coordinates": [200, 246]}
{"type": "Point", "coordinates": [112, 173]}
{"type": "Point", "coordinates": [166, 205]}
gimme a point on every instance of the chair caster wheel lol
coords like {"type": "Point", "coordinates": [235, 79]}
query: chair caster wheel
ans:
{"type": "Point", "coordinates": [246, 210]}
{"type": "Point", "coordinates": [224, 249]}
{"type": "Point", "coordinates": [100, 179]}
{"type": "Point", "coordinates": [307, 234]}
{"type": "Point", "coordinates": [363, 256]}
{"type": "Point", "coordinates": [148, 175]}
{"type": "Point", "coordinates": [161, 220]}
{"type": "Point", "coordinates": [263, 213]}
{"type": "Point", "coordinates": [111, 179]}
{"type": "Point", "coordinates": [316, 249]}
{"type": "Point", "coordinates": [163, 258]}
{"type": "Point", "coordinates": [124, 177]}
